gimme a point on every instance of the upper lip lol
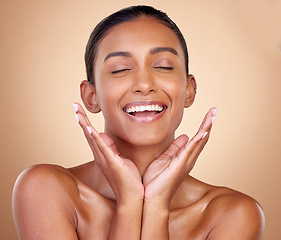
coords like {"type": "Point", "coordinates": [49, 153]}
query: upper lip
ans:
{"type": "Point", "coordinates": [144, 106]}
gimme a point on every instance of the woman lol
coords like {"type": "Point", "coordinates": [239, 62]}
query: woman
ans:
{"type": "Point", "coordinates": [138, 186]}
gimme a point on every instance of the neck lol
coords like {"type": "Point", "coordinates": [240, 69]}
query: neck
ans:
{"type": "Point", "coordinates": [142, 155]}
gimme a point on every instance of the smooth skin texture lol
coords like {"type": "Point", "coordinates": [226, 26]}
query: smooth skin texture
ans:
{"type": "Point", "coordinates": [138, 186]}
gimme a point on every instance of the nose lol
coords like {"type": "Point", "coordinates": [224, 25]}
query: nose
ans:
{"type": "Point", "coordinates": [144, 83]}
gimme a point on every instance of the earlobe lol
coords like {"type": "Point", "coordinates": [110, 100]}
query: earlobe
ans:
{"type": "Point", "coordinates": [89, 97]}
{"type": "Point", "coordinates": [191, 89]}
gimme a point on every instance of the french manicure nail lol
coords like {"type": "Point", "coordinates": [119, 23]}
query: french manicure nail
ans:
{"type": "Point", "coordinates": [213, 120]}
{"type": "Point", "coordinates": [215, 112]}
{"type": "Point", "coordinates": [75, 107]}
{"type": "Point", "coordinates": [77, 118]}
{"type": "Point", "coordinates": [89, 130]}
{"type": "Point", "coordinates": [205, 134]}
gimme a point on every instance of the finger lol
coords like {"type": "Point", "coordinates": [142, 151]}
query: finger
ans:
{"type": "Point", "coordinates": [85, 127]}
{"type": "Point", "coordinates": [198, 142]}
{"type": "Point", "coordinates": [106, 150]}
{"type": "Point", "coordinates": [188, 155]}
{"type": "Point", "coordinates": [108, 140]}
{"type": "Point", "coordinates": [79, 109]}
{"type": "Point", "coordinates": [204, 129]}
{"type": "Point", "coordinates": [89, 132]}
{"type": "Point", "coordinates": [83, 122]}
{"type": "Point", "coordinates": [104, 155]}
{"type": "Point", "coordinates": [175, 147]}
{"type": "Point", "coordinates": [208, 119]}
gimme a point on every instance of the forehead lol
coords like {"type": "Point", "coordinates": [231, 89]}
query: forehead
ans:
{"type": "Point", "coordinates": [139, 34]}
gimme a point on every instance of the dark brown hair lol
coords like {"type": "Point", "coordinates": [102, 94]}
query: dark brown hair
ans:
{"type": "Point", "coordinates": [126, 15]}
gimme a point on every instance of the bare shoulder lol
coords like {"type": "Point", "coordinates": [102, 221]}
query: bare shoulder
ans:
{"type": "Point", "coordinates": [44, 198]}
{"type": "Point", "coordinates": [234, 215]}
{"type": "Point", "coordinates": [44, 178]}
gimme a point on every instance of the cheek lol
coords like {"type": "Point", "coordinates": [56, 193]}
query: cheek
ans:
{"type": "Point", "coordinates": [177, 93]}
{"type": "Point", "coordinates": [109, 96]}
{"type": "Point", "coordinates": [106, 92]}
{"type": "Point", "coordinates": [176, 89]}
{"type": "Point", "coordinates": [107, 102]}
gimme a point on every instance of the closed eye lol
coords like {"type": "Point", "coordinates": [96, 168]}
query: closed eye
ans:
{"type": "Point", "coordinates": [164, 68]}
{"type": "Point", "coordinates": [121, 70]}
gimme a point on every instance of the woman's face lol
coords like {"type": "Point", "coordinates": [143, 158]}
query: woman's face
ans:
{"type": "Point", "coordinates": [141, 82]}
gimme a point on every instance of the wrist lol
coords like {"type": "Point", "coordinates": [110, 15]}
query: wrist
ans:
{"type": "Point", "coordinates": [129, 203]}
{"type": "Point", "coordinates": [158, 217]}
{"type": "Point", "coordinates": [156, 207]}
{"type": "Point", "coordinates": [129, 197]}
{"type": "Point", "coordinates": [126, 222]}
{"type": "Point", "coordinates": [157, 203]}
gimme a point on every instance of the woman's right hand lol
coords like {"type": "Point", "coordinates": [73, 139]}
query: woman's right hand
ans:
{"type": "Point", "coordinates": [121, 173]}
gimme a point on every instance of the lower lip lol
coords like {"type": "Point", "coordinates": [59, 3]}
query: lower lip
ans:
{"type": "Point", "coordinates": [147, 119]}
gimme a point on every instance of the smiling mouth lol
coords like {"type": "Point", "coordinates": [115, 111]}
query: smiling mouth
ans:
{"type": "Point", "coordinates": [145, 110]}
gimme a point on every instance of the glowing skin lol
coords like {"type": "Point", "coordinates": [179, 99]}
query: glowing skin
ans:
{"type": "Point", "coordinates": [149, 72]}
{"type": "Point", "coordinates": [140, 176]}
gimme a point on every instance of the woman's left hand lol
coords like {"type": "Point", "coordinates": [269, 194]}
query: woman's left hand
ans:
{"type": "Point", "coordinates": [164, 175]}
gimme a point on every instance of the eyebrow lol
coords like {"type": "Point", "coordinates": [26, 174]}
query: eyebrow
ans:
{"type": "Point", "coordinates": [117, 54]}
{"type": "Point", "coordinates": [152, 52]}
{"type": "Point", "coordinates": [163, 49]}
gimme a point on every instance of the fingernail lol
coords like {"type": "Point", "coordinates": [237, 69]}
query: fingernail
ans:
{"type": "Point", "coordinates": [215, 112]}
{"type": "Point", "coordinates": [214, 115]}
{"type": "Point", "coordinates": [205, 134]}
{"type": "Point", "coordinates": [75, 107]}
{"type": "Point", "coordinates": [213, 120]}
{"type": "Point", "coordinates": [77, 118]}
{"type": "Point", "coordinates": [89, 130]}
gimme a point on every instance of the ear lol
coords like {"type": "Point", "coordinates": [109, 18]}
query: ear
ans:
{"type": "Point", "coordinates": [190, 91]}
{"type": "Point", "coordinates": [89, 96]}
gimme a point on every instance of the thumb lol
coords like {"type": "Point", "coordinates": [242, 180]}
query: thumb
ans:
{"type": "Point", "coordinates": [109, 142]}
{"type": "Point", "coordinates": [176, 146]}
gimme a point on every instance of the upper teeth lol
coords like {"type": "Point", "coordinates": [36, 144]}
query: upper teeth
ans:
{"type": "Point", "coordinates": [144, 108]}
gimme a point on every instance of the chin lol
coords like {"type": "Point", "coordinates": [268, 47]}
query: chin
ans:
{"type": "Point", "coordinates": [149, 139]}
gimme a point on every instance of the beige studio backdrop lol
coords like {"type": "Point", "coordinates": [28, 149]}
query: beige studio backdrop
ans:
{"type": "Point", "coordinates": [235, 55]}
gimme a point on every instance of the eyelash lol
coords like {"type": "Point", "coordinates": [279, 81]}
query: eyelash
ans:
{"type": "Point", "coordinates": [165, 68]}
{"type": "Point", "coordinates": [121, 70]}
{"type": "Point", "coordinates": [127, 69]}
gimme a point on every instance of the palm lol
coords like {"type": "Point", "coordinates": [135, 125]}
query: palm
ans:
{"type": "Point", "coordinates": [133, 173]}
{"type": "Point", "coordinates": [160, 173]}
{"type": "Point", "coordinates": [155, 169]}
{"type": "Point", "coordinates": [164, 175]}
{"type": "Point", "coordinates": [120, 172]}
